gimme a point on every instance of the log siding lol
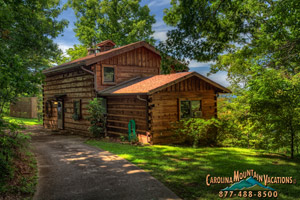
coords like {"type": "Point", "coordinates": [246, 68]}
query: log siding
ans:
{"type": "Point", "coordinates": [77, 85]}
{"type": "Point", "coordinates": [138, 62]}
{"type": "Point", "coordinates": [122, 109]}
{"type": "Point", "coordinates": [164, 106]}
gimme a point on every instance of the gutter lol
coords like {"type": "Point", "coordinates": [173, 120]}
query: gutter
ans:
{"type": "Point", "coordinates": [60, 68]}
{"type": "Point", "coordinates": [119, 94]}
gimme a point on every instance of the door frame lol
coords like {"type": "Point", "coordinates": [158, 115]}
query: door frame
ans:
{"type": "Point", "coordinates": [62, 115]}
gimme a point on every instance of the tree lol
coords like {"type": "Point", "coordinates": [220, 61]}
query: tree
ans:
{"type": "Point", "coordinates": [26, 32]}
{"type": "Point", "coordinates": [27, 28]}
{"type": "Point", "coordinates": [97, 117]}
{"type": "Point", "coordinates": [248, 39]}
{"type": "Point", "coordinates": [78, 51]}
{"type": "Point", "coordinates": [275, 102]}
{"type": "Point", "coordinates": [122, 21]}
{"type": "Point", "coordinates": [247, 31]}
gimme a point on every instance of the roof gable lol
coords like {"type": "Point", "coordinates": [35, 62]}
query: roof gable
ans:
{"type": "Point", "coordinates": [94, 58]}
{"type": "Point", "coordinates": [150, 85]}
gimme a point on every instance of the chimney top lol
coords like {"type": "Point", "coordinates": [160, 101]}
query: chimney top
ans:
{"type": "Point", "coordinates": [101, 47]}
{"type": "Point", "coordinates": [106, 43]}
{"type": "Point", "coordinates": [91, 51]}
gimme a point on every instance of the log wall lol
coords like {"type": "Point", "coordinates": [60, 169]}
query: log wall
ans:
{"type": "Point", "coordinates": [138, 62]}
{"type": "Point", "coordinates": [77, 85]}
{"type": "Point", "coordinates": [164, 106]}
{"type": "Point", "coordinates": [121, 109]}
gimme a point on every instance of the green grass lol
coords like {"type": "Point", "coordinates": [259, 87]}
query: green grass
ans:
{"type": "Point", "coordinates": [24, 121]}
{"type": "Point", "coordinates": [184, 169]}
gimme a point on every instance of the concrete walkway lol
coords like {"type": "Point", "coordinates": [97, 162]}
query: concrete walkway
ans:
{"type": "Point", "coordinates": [70, 169]}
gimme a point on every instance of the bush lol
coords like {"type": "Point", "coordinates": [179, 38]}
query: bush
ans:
{"type": "Point", "coordinates": [197, 131]}
{"type": "Point", "coordinates": [97, 117]}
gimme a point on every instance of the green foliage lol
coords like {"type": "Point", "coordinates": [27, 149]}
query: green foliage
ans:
{"type": "Point", "coordinates": [97, 117]}
{"type": "Point", "coordinates": [263, 116]}
{"type": "Point", "coordinates": [169, 64]}
{"type": "Point", "coordinates": [26, 32]}
{"type": "Point", "coordinates": [247, 31]}
{"type": "Point", "coordinates": [123, 138]}
{"type": "Point", "coordinates": [237, 128]}
{"type": "Point", "coordinates": [122, 21]}
{"type": "Point", "coordinates": [78, 51]}
{"type": "Point", "coordinates": [275, 102]}
{"type": "Point", "coordinates": [195, 131]}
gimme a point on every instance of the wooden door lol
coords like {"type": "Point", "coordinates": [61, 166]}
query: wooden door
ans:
{"type": "Point", "coordinates": [60, 115]}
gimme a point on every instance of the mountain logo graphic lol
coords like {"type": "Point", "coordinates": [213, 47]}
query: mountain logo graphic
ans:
{"type": "Point", "coordinates": [248, 184]}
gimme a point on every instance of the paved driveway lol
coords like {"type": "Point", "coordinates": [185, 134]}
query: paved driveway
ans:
{"type": "Point", "coordinates": [69, 169]}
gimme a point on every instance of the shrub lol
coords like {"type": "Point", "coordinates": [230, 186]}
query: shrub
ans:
{"type": "Point", "coordinates": [97, 117]}
{"type": "Point", "coordinates": [11, 144]}
{"type": "Point", "coordinates": [197, 131]}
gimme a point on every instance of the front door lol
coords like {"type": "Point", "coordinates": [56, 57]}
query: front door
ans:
{"type": "Point", "coordinates": [60, 115]}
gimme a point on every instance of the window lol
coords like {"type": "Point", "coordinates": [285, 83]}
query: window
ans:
{"type": "Point", "coordinates": [190, 109]}
{"type": "Point", "coordinates": [108, 75]}
{"type": "Point", "coordinates": [77, 110]}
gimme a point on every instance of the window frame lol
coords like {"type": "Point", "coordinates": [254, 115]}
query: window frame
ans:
{"type": "Point", "coordinates": [115, 72]}
{"type": "Point", "coordinates": [189, 99]}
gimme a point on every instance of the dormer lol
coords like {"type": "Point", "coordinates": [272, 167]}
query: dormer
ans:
{"type": "Point", "coordinates": [106, 45]}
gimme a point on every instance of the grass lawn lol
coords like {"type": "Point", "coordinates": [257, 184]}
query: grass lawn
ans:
{"type": "Point", "coordinates": [25, 121]}
{"type": "Point", "coordinates": [184, 169]}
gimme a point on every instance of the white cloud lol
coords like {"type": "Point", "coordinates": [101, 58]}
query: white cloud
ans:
{"type": "Point", "coordinates": [64, 47]}
{"type": "Point", "coordinates": [160, 35]}
{"type": "Point", "coordinates": [194, 63]}
{"type": "Point", "coordinates": [159, 24]}
{"type": "Point", "coordinates": [157, 3]}
{"type": "Point", "coordinates": [220, 77]}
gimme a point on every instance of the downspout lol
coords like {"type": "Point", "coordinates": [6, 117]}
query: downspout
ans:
{"type": "Point", "coordinates": [86, 70]}
{"type": "Point", "coordinates": [95, 78]}
{"type": "Point", "coordinates": [147, 116]}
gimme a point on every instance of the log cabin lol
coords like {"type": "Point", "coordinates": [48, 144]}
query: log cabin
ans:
{"type": "Point", "coordinates": [129, 81]}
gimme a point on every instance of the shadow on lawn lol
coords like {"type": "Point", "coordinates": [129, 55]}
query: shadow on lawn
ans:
{"type": "Point", "coordinates": [184, 170]}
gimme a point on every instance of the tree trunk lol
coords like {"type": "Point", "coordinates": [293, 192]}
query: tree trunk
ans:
{"type": "Point", "coordinates": [292, 145]}
{"type": "Point", "coordinates": [292, 142]}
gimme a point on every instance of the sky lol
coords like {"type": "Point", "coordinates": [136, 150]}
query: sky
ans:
{"type": "Point", "coordinates": [67, 39]}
